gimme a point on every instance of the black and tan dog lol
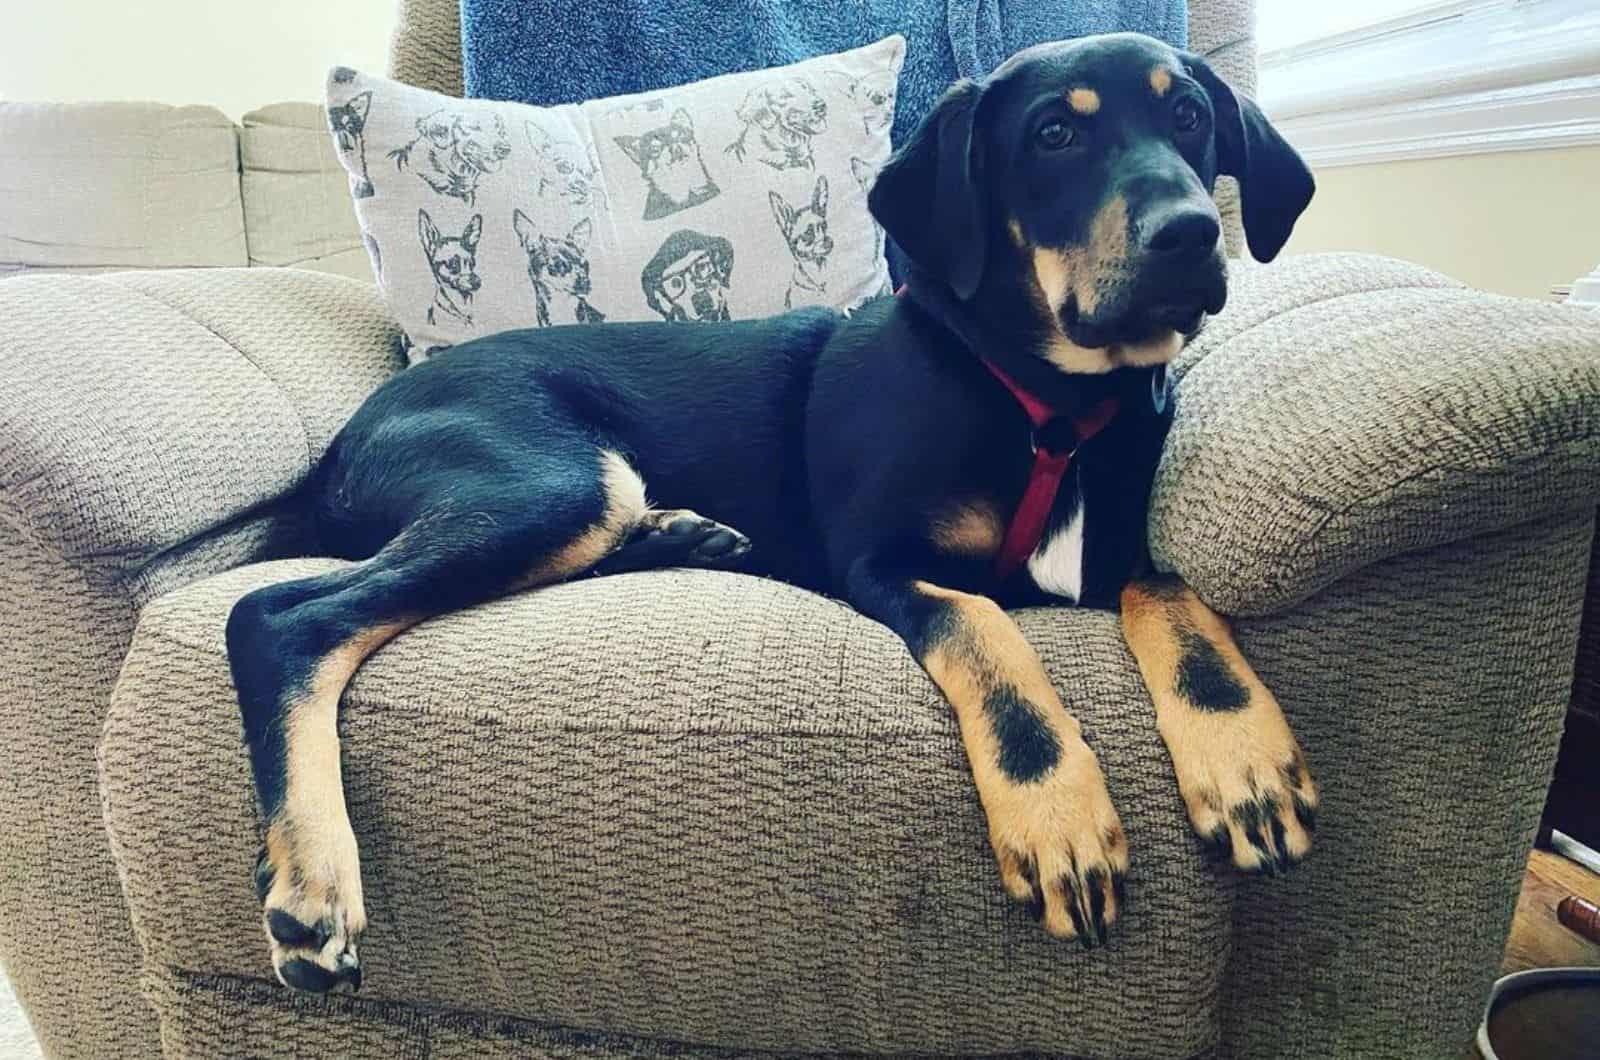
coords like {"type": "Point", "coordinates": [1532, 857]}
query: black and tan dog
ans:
{"type": "Point", "coordinates": [1064, 245]}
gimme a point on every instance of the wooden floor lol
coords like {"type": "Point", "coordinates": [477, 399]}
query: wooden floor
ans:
{"type": "Point", "coordinates": [1537, 939]}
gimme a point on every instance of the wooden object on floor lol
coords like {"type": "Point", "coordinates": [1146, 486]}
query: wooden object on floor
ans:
{"type": "Point", "coordinates": [1537, 939]}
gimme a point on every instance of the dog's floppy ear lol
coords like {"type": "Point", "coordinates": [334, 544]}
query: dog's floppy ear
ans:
{"type": "Point", "coordinates": [1275, 185]}
{"type": "Point", "coordinates": [428, 232]}
{"type": "Point", "coordinates": [819, 197]}
{"type": "Point", "coordinates": [361, 104]}
{"type": "Point", "coordinates": [538, 138]}
{"type": "Point", "coordinates": [757, 109]}
{"type": "Point", "coordinates": [680, 118]}
{"type": "Point", "coordinates": [436, 127]}
{"type": "Point", "coordinates": [928, 198]}
{"type": "Point", "coordinates": [474, 229]}
{"type": "Point", "coordinates": [782, 211]}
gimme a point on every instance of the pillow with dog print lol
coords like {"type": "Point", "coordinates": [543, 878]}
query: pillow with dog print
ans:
{"type": "Point", "coordinates": [737, 197]}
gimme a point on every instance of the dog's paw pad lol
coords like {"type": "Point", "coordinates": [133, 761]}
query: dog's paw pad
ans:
{"type": "Point", "coordinates": [313, 915]}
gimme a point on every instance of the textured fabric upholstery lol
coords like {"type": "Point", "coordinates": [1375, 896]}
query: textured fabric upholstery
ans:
{"type": "Point", "coordinates": [95, 186]}
{"type": "Point", "coordinates": [144, 420]}
{"type": "Point", "coordinates": [296, 198]}
{"type": "Point", "coordinates": [695, 806]}
{"type": "Point", "coordinates": [1365, 408]}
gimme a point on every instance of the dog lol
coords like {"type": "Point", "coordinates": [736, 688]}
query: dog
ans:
{"type": "Point", "coordinates": [1063, 245]}
{"type": "Point", "coordinates": [559, 272]}
{"type": "Point", "coordinates": [875, 95]}
{"type": "Point", "coordinates": [688, 276]}
{"type": "Point", "coordinates": [784, 119]}
{"type": "Point", "coordinates": [565, 170]}
{"type": "Point", "coordinates": [462, 148]}
{"type": "Point", "coordinates": [805, 231]}
{"type": "Point", "coordinates": [669, 160]}
{"type": "Point", "coordinates": [348, 123]}
{"type": "Point", "coordinates": [453, 262]}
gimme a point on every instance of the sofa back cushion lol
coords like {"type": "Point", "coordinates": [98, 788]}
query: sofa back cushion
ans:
{"type": "Point", "coordinates": [100, 186]}
{"type": "Point", "coordinates": [296, 200]}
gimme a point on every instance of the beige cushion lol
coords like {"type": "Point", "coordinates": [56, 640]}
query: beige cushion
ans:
{"type": "Point", "coordinates": [296, 199]}
{"type": "Point", "coordinates": [703, 807]}
{"type": "Point", "coordinates": [93, 186]}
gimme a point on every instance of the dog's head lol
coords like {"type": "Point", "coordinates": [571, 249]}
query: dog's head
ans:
{"type": "Point", "coordinates": [875, 94]}
{"type": "Point", "coordinates": [671, 144]}
{"type": "Point", "coordinates": [453, 259]}
{"type": "Point", "coordinates": [805, 228]}
{"type": "Point", "coordinates": [560, 263]}
{"type": "Point", "coordinates": [466, 142]}
{"type": "Point", "coordinates": [564, 166]}
{"type": "Point", "coordinates": [349, 120]}
{"type": "Point", "coordinates": [791, 108]}
{"type": "Point", "coordinates": [1082, 171]}
{"type": "Point", "coordinates": [687, 279]}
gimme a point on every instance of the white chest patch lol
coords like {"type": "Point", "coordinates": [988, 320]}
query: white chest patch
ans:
{"type": "Point", "coordinates": [1057, 564]}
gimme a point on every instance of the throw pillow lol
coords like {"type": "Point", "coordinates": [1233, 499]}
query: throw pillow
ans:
{"type": "Point", "coordinates": [740, 196]}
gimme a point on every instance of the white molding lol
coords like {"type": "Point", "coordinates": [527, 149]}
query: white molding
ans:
{"type": "Point", "coordinates": [1563, 113]}
{"type": "Point", "coordinates": [1464, 77]}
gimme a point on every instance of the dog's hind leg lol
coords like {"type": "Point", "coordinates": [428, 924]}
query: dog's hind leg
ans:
{"type": "Point", "coordinates": [1240, 770]}
{"type": "Point", "coordinates": [293, 647]}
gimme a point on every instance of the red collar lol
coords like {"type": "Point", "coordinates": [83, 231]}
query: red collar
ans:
{"type": "Point", "coordinates": [1049, 468]}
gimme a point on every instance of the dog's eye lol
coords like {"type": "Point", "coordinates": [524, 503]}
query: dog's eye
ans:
{"type": "Point", "coordinates": [1186, 114]}
{"type": "Point", "coordinates": [1055, 135]}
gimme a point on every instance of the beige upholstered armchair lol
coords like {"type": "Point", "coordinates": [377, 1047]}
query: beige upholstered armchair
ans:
{"type": "Point", "coordinates": [638, 845]}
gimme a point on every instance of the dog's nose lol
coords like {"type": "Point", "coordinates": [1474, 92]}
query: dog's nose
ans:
{"type": "Point", "coordinates": [1184, 234]}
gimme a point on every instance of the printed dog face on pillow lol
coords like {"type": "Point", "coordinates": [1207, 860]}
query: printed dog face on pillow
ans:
{"type": "Point", "coordinates": [805, 229]}
{"type": "Point", "coordinates": [461, 147]}
{"type": "Point", "coordinates": [875, 96]}
{"type": "Point", "coordinates": [668, 158]}
{"type": "Point", "coordinates": [348, 123]}
{"type": "Point", "coordinates": [688, 277]}
{"type": "Point", "coordinates": [558, 269]}
{"type": "Point", "coordinates": [453, 261]}
{"type": "Point", "coordinates": [780, 122]}
{"type": "Point", "coordinates": [565, 170]}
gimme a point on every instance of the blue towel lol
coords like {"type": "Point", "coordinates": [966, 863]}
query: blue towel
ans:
{"type": "Point", "coordinates": [542, 52]}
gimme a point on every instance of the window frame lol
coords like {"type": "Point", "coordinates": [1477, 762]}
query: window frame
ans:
{"type": "Point", "coordinates": [1455, 77]}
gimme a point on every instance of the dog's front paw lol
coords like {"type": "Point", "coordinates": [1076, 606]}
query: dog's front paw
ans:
{"type": "Point", "coordinates": [1061, 847]}
{"type": "Point", "coordinates": [1246, 787]}
{"type": "Point", "coordinates": [309, 883]}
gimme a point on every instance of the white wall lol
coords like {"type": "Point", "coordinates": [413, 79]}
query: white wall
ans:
{"type": "Point", "coordinates": [1515, 222]}
{"type": "Point", "coordinates": [233, 54]}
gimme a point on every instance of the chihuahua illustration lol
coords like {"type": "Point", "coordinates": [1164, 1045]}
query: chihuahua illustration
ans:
{"type": "Point", "coordinates": [453, 260]}
{"type": "Point", "coordinates": [565, 170]}
{"type": "Point", "coordinates": [668, 158]}
{"type": "Point", "coordinates": [559, 272]}
{"type": "Point", "coordinates": [687, 279]}
{"type": "Point", "coordinates": [461, 148]}
{"type": "Point", "coordinates": [806, 231]}
{"type": "Point", "coordinates": [783, 117]}
{"type": "Point", "coordinates": [874, 94]}
{"type": "Point", "coordinates": [348, 123]}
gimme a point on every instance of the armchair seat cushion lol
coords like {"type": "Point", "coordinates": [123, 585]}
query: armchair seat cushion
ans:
{"type": "Point", "coordinates": [682, 805]}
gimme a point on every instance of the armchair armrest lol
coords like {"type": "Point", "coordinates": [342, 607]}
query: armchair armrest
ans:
{"type": "Point", "coordinates": [138, 410]}
{"type": "Point", "coordinates": [1347, 408]}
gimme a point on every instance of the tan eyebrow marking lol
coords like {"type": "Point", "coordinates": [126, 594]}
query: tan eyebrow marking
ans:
{"type": "Point", "coordinates": [1084, 100]}
{"type": "Point", "coordinates": [1160, 80]}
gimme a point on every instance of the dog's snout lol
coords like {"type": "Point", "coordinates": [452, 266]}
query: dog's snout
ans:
{"type": "Point", "coordinates": [1183, 234]}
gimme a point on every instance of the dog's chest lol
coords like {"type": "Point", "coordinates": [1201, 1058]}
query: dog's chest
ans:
{"type": "Point", "coordinates": [1056, 565]}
